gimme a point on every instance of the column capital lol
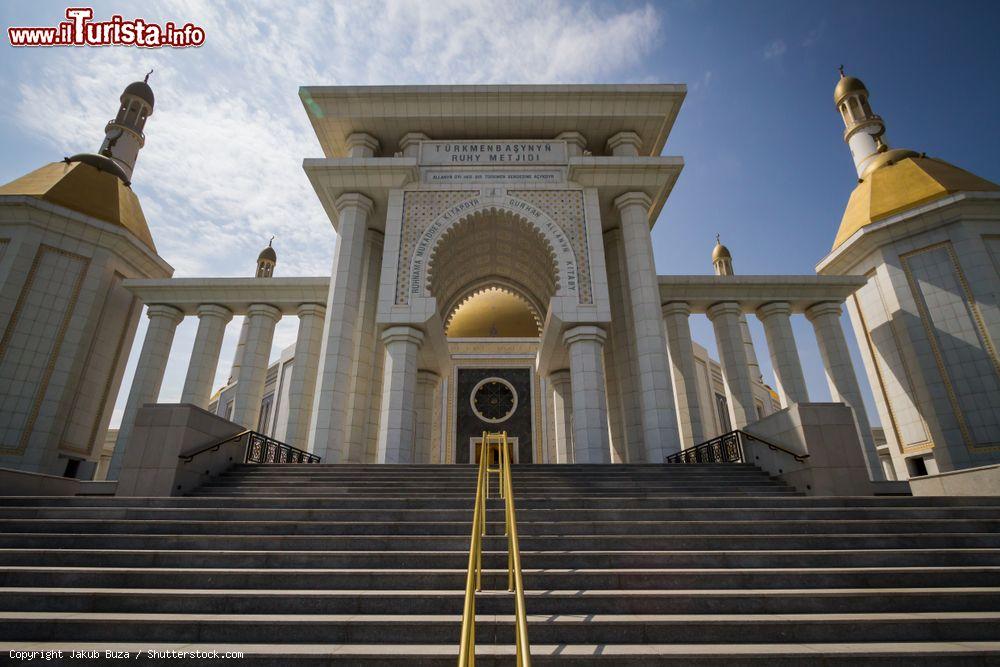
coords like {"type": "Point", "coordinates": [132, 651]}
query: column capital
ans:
{"type": "Point", "coordinates": [625, 143]}
{"type": "Point", "coordinates": [403, 334]}
{"type": "Point", "coordinates": [412, 140]}
{"type": "Point", "coordinates": [676, 308]}
{"type": "Point", "coordinates": [724, 308]}
{"type": "Point", "coordinates": [264, 310]}
{"type": "Point", "coordinates": [306, 309]}
{"type": "Point", "coordinates": [576, 142]}
{"type": "Point", "coordinates": [163, 310]}
{"type": "Point", "coordinates": [364, 141]}
{"type": "Point", "coordinates": [354, 200]}
{"type": "Point", "coordinates": [774, 308]}
{"type": "Point", "coordinates": [628, 199]}
{"type": "Point", "coordinates": [585, 332]}
{"type": "Point", "coordinates": [824, 308]}
{"type": "Point", "coordinates": [214, 310]}
{"type": "Point", "coordinates": [560, 376]}
{"type": "Point", "coordinates": [427, 376]}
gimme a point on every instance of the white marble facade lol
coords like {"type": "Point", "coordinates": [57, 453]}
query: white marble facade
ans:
{"type": "Point", "coordinates": [558, 216]}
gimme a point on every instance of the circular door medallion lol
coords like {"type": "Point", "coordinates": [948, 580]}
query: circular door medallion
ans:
{"type": "Point", "coordinates": [493, 400]}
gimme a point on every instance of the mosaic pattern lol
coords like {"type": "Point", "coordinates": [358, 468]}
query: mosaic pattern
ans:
{"type": "Point", "coordinates": [565, 207]}
{"type": "Point", "coordinates": [419, 210]}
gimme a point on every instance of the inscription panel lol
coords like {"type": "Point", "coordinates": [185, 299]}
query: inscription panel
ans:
{"type": "Point", "coordinates": [492, 153]}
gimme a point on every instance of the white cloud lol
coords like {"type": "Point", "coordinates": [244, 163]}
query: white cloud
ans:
{"type": "Point", "coordinates": [775, 49]}
{"type": "Point", "coordinates": [221, 170]}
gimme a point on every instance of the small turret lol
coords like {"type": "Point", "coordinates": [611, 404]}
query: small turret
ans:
{"type": "Point", "coordinates": [266, 261]}
{"type": "Point", "coordinates": [722, 260]}
{"type": "Point", "coordinates": [864, 130]}
{"type": "Point", "coordinates": [123, 136]}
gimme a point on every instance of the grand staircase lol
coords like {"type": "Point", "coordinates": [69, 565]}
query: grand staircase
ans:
{"type": "Point", "coordinates": [712, 564]}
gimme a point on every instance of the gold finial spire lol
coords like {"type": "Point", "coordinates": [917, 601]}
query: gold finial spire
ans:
{"type": "Point", "coordinates": [271, 241]}
{"type": "Point", "coordinates": [842, 75]}
{"type": "Point", "coordinates": [146, 79]}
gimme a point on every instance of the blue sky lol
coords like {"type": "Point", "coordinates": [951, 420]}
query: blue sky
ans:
{"type": "Point", "coordinates": [765, 163]}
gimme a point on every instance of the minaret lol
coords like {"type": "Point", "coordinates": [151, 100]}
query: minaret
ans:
{"type": "Point", "coordinates": [722, 260]}
{"type": "Point", "coordinates": [123, 136]}
{"type": "Point", "coordinates": [266, 261]}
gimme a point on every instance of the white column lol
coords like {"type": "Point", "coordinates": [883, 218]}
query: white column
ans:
{"type": "Point", "coordinates": [683, 371]}
{"type": "Point", "coordinates": [423, 405]}
{"type": "Point", "coordinates": [590, 415]}
{"type": "Point", "coordinates": [562, 413]}
{"type": "Point", "coordinates": [212, 321]}
{"type": "Point", "coordinates": [302, 385]}
{"type": "Point", "coordinates": [364, 374]}
{"type": "Point", "coordinates": [725, 319]}
{"type": "Point", "coordinates": [409, 143]}
{"type": "Point", "coordinates": [776, 318]}
{"type": "Point", "coordinates": [751, 353]}
{"type": "Point", "coordinates": [825, 318]}
{"type": "Point", "coordinates": [330, 409]}
{"type": "Point", "coordinates": [253, 365]}
{"type": "Point", "coordinates": [361, 144]}
{"type": "Point", "coordinates": [397, 425]}
{"type": "Point", "coordinates": [163, 321]}
{"type": "Point", "coordinates": [659, 420]}
{"type": "Point", "coordinates": [624, 144]}
{"type": "Point", "coordinates": [576, 143]}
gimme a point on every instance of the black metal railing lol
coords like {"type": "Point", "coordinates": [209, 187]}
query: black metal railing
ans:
{"type": "Point", "coordinates": [727, 448]}
{"type": "Point", "coordinates": [262, 449]}
{"type": "Point", "coordinates": [258, 449]}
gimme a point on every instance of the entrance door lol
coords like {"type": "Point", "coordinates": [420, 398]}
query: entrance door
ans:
{"type": "Point", "coordinates": [493, 399]}
{"type": "Point", "coordinates": [476, 447]}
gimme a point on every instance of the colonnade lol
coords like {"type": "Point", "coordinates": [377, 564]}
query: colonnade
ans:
{"type": "Point", "coordinates": [203, 364]}
{"type": "Point", "coordinates": [578, 393]}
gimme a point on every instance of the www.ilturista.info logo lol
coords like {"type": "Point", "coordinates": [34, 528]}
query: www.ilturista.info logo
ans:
{"type": "Point", "coordinates": [79, 30]}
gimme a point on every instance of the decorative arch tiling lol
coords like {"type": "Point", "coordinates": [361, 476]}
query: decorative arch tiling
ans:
{"type": "Point", "coordinates": [565, 207]}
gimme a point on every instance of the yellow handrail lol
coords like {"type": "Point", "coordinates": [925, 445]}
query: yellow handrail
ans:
{"type": "Point", "coordinates": [473, 579]}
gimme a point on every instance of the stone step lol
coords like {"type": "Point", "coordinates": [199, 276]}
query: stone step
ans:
{"type": "Point", "coordinates": [526, 529]}
{"type": "Point", "coordinates": [526, 514]}
{"type": "Point", "coordinates": [528, 543]}
{"type": "Point", "coordinates": [498, 629]}
{"type": "Point", "coordinates": [549, 579]}
{"type": "Point", "coordinates": [383, 654]}
{"type": "Point", "coordinates": [444, 474]}
{"type": "Point", "coordinates": [538, 602]}
{"type": "Point", "coordinates": [272, 495]}
{"type": "Point", "coordinates": [287, 558]}
{"type": "Point", "coordinates": [579, 502]}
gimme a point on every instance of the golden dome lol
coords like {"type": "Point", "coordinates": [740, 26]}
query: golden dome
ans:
{"type": "Point", "coordinates": [88, 190]}
{"type": "Point", "coordinates": [846, 86]}
{"type": "Point", "coordinates": [888, 157]}
{"type": "Point", "coordinates": [493, 313]}
{"type": "Point", "coordinates": [902, 182]}
{"type": "Point", "coordinates": [720, 252]}
{"type": "Point", "coordinates": [268, 254]}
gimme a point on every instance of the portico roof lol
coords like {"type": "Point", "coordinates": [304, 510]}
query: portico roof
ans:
{"type": "Point", "coordinates": [236, 294]}
{"type": "Point", "coordinates": [492, 112]}
{"type": "Point", "coordinates": [752, 292]}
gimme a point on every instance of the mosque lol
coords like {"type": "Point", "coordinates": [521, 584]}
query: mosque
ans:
{"type": "Point", "coordinates": [494, 270]}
